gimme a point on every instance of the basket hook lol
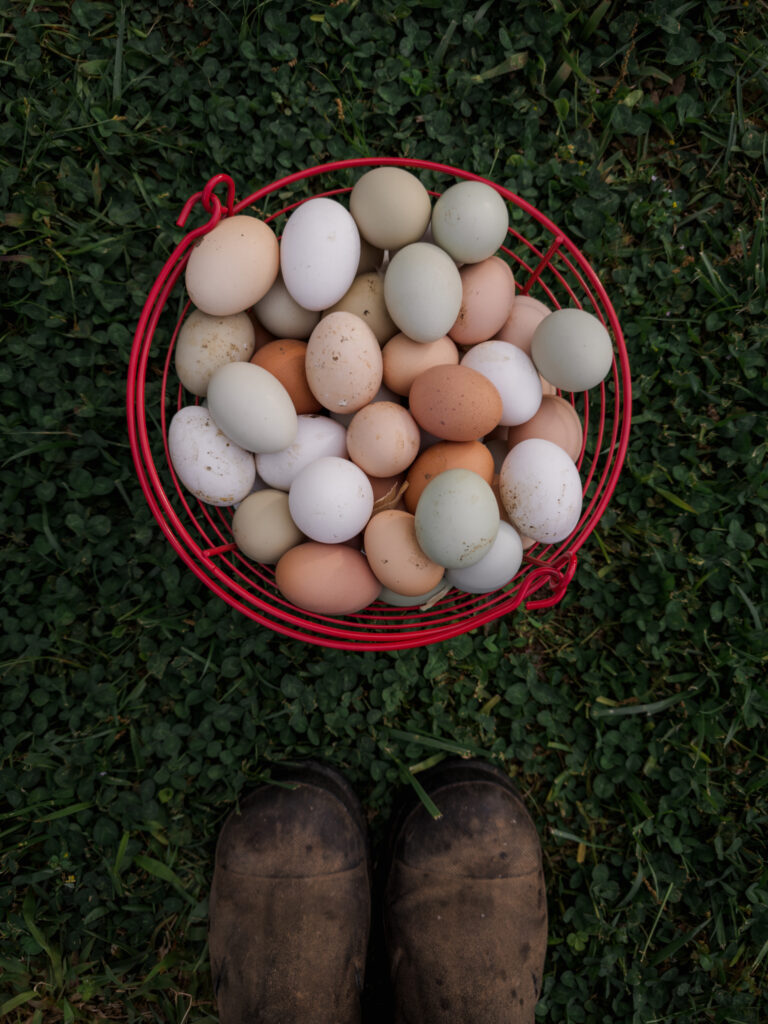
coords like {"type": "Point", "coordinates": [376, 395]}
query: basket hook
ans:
{"type": "Point", "coordinates": [210, 202]}
{"type": "Point", "coordinates": [559, 574]}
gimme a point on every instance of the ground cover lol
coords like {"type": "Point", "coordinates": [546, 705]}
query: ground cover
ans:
{"type": "Point", "coordinates": [135, 708]}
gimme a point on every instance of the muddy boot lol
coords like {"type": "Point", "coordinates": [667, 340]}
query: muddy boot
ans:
{"type": "Point", "coordinates": [290, 904]}
{"type": "Point", "coordinates": [465, 908]}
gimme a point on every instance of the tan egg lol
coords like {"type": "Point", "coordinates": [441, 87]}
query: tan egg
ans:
{"type": "Point", "coordinates": [329, 579]}
{"type": "Point", "coordinates": [395, 557]}
{"type": "Point", "coordinates": [383, 439]}
{"type": "Point", "coordinates": [473, 455]}
{"type": "Point", "coordinates": [391, 207]}
{"type": "Point", "coordinates": [546, 387]}
{"type": "Point", "coordinates": [455, 403]}
{"type": "Point", "coordinates": [405, 359]}
{"type": "Point", "coordinates": [496, 488]}
{"type": "Point", "coordinates": [385, 486]}
{"type": "Point", "coordinates": [263, 528]}
{"type": "Point", "coordinates": [344, 364]}
{"type": "Point", "coordinates": [365, 299]}
{"type": "Point", "coordinates": [556, 421]}
{"type": "Point", "coordinates": [488, 293]}
{"type": "Point", "coordinates": [233, 266]}
{"type": "Point", "coordinates": [524, 317]}
{"type": "Point", "coordinates": [263, 336]}
{"type": "Point", "coordinates": [281, 314]}
{"type": "Point", "coordinates": [371, 258]}
{"type": "Point", "coordinates": [285, 359]}
{"type": "Point", "coordinates": [207, 342]}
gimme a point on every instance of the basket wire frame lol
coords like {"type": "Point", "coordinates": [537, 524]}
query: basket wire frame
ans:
{"type": "Point", "coordinates": [551, 268]}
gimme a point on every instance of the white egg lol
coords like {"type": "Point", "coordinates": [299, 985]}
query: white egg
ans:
{"type": "Point", "coordinates": [319, 253]}
{"type": "Point", "coordinates": [540, 488]}
{"type": "Point", "coordinates": [252, 407]}
{"type": "Point", "coordinates": [208, 463]}
{"type": "Point", "coordinates": [331, 500]}
{"type": "Point", "coordinates": [513, 375]}
{"type": "Point", "coordinates": [317, 436]}
{"type": "Point", "coordinates": [495, 569]}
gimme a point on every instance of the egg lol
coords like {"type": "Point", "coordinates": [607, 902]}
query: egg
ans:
{"type": "Point", "coordinates": [252, 407]}
{"type": "Point", "coordinates": [455, 403]}
{"type": "Point", "coordinates": [365, 298]}
{"type": "Point", "coordinates": [470, 221]}
{"type": "Point", "coordinates": [435, 459]}
{"type": "Point", "coordinates": [382, 395]}
{"type": "Point", "coordinates": [495, 569]}
{"type": "Point", "coordinates": [572, 349]}
{"type": "Point", "coordinates": [389, 597]}
{"type": "Point", "coordinates": [404, 359]}
{"type": "Point", "coordinates": [319, 252]}
{"type": "Point", "coordinates": [541, 490]}
{"type": "Point", "coordinates": [281, 314]}
{"type": "Point", "coordinates": [327, 579]}
{"type": "Point", "coordinates": [233, 266]}
{"type": "Point", "coordinates": [391, 207]}
{"type": "Point", "coordinates": [207, 342]}
{"type": "Point", "coordinates": [395, 557]}
{"type": "Point", "coordinates": [556, 420]}
{"type": "Point", "coordinates": [286, 359]}
{"type": "Point", "coordinates": [513, 375]}
{"type": "Point", "coordinates": [422, 289]}
{"type": "Point", "coordinates": [524, 317]}
{"type": "Point", "coordinates": [316, 437]}
{"type": "Point", "coordinates": [488, 292]}
{"type": "Point", "coordinates": [344, 365]}
{"type": "Point", "coordinates": [456, 519]}
{"type": "Point", "coordinates": [207, 462]}
{"type": "Point", "coordinates": [383, 439]}
{"type": "Point", "coordinates": [262, 526]}
{"type": "Point", "coordinates": [331, 500]}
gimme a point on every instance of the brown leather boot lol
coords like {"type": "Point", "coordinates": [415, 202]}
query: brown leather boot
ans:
{"type": "Point", "coordinates": [290, 904]}
{"type": "Point", "coordinates": [465, 909]}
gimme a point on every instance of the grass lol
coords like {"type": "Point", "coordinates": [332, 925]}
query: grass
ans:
{"type": "Point", "coordinates": [136, 708]}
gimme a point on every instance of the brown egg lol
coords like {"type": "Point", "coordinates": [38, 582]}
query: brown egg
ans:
{"type": "Point", "coordinates": [455, 403]}
{"type": "Point", "coordinates": [473, 455]}
{"type": "Point", "coordinates": [285, 360]}
{"type": "Point", "coordinates": [524, 317]}
{"type": "Point", "coordinates": [405, 359]}
{"type": "Point", "coordinates": [395, 557]}
{"type": "Point", "coordinates": [330, 579]}
{"type": "Point", "coordinates": [556, 421]}
{"type": "Point", "coordinates": [365, 299]}
{"type": "Point", "coordinates": [383, 439]}
{"type": "Point", "coordinates": [488, 293]}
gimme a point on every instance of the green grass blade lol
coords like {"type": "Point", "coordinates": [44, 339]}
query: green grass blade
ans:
{"type": "Point", "coordinates": [166, 874]}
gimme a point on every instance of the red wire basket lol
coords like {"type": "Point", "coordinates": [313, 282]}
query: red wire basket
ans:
{"type": "Point", "coordinates": [546, 264]}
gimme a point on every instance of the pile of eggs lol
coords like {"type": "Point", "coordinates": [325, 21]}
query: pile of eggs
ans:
{"type": "Point", "coordinates": [378, 405]}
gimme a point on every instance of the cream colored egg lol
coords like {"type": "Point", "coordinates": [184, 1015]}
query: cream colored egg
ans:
{"type": "Point", "coordinates": [233, 266]}
{"type": "Point", "coordinates": [263, 528]}
{"type": "Point", "coordinates": [207, 342]}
